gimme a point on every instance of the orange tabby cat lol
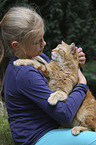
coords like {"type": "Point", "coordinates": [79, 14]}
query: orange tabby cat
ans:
{"type": "Point", "coordinates": [62, 72]}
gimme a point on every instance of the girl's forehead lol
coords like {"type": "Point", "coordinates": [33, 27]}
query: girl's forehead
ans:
{"type": "Point", "coordinates": [42, 34]}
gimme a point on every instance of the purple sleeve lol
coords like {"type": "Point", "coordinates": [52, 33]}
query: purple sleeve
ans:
{"type": "Point", "coordinates": [44, 56]}
{"type": "Point", "coordinates": [37, 90]}
{"type": "Point", "coordinates": [65, 112]}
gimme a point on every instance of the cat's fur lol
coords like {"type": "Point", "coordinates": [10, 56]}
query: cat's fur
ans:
{"type": "Point", "coordinates": [62, 73]}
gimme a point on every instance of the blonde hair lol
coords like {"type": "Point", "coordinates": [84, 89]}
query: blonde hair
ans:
{"type": "Point", "coordinates": [20, 24]}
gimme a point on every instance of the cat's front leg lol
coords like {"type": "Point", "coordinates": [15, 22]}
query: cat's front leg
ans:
{"type": "Point", "coordinates": [57, 96]}
{"type": "Point", "coordinates": [33, 62]}
{"type": "Point", "coordinates": [25, 62]}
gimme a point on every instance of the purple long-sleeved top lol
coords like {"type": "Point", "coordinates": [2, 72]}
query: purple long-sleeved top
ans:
{"type": "Point", "coordinates": [26, 94]}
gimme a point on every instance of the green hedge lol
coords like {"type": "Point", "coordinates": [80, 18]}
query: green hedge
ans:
{"type": "Point", "coordinates": [90, 73]}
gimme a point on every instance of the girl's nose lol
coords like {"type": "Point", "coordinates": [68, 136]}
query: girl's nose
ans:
{"type": "Point", "coordinates": [43, 42]}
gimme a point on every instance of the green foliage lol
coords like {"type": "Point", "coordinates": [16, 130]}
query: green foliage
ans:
{"type": "Point", "coordinates": [90, 74]}
{"type": "Point", "coordinates": [81, 26]}
{"type": "Point", "coordinates": [5, 134]}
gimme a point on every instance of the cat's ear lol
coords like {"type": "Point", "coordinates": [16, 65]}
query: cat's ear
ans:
{"type": "Point", "coordinates": [63, 42]}
{"type": "Point", "coordinates": [72, 47]}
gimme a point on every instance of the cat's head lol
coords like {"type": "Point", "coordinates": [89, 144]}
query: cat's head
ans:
{"type": "Point", "coordinates": [64, 52]}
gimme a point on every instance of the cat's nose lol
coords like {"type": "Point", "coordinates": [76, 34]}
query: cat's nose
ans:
{"type": "Point", "coordinates": [55, 49]}
{"type": "Point", "coordinates": [52, 50]}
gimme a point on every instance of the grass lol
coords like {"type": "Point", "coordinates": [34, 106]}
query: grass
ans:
{"type": "Point", "coordinates": [5, 134]}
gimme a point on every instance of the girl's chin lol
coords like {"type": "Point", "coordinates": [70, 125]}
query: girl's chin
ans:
{"type": "Point", "coordinates": [41, 51]}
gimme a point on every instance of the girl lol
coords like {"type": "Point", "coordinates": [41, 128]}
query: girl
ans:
{"type": "Point", "coordinates": [32, 120]}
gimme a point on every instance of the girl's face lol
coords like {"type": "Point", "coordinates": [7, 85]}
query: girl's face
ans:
{"type": "Point", "coordinates": [36, 48]}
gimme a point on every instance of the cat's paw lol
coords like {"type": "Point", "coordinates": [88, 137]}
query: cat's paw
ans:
{"type": "Point", "coordinates": [57, 96]}
{"type": "Point", "coordinates": [77, 129]}
{"type": "Point", "coordinates": [20, 62]}
{"type": "Point", "coordinates": [25, 62]}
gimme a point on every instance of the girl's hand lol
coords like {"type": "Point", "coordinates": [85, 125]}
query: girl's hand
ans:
{"type": "Point", "coordinates": [81, 55]}
{"type": "Point", "coordinates": [81, 77]}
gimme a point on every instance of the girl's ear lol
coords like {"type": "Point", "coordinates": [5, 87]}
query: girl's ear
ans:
{"type": "Point", "coordinates": [15, 45]}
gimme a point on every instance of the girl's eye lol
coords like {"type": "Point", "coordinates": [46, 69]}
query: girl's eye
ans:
{"type": "Point", "coordinates": [39, 41]}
